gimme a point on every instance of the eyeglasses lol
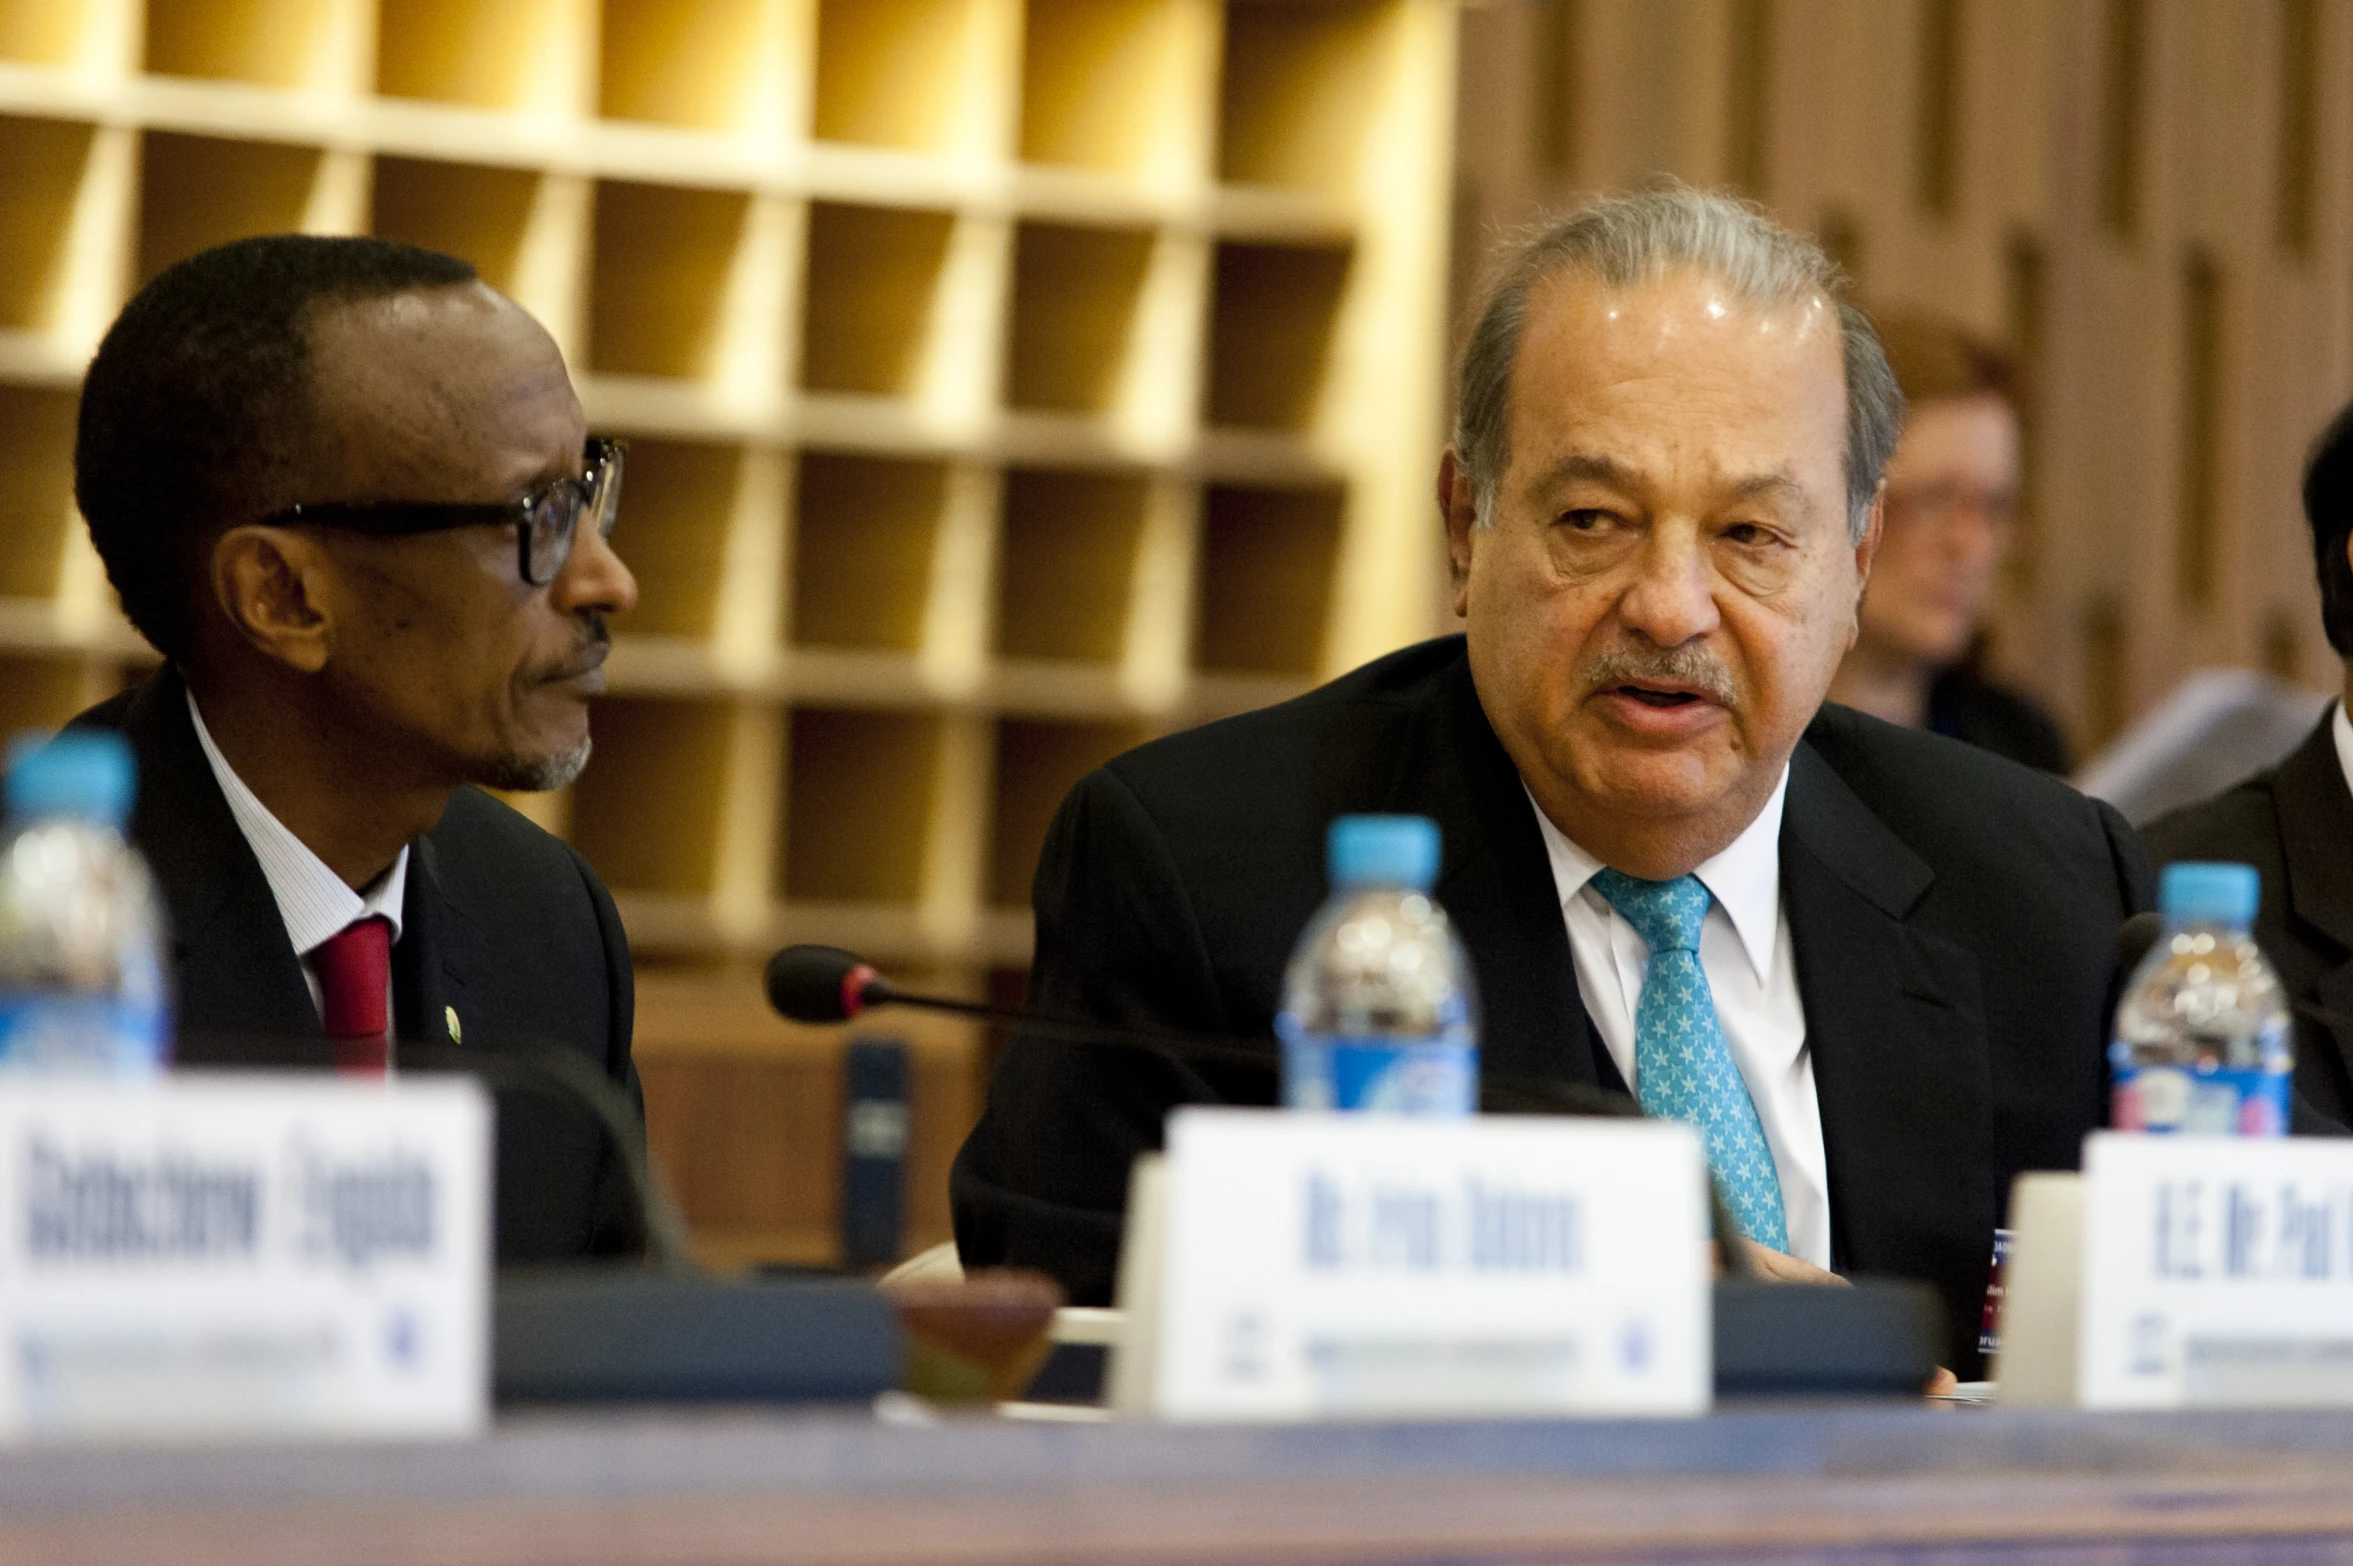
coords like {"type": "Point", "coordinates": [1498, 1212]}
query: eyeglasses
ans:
{"type": "Point", "coordinates": [546, 521]}
{"type": "Point", "coordinates": [1940, 504]}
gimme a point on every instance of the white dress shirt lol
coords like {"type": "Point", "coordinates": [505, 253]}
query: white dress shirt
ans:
{"type": "Point", "coordinates": [313, 900]}
{"type": "Point", "coordinates": [1750, 961]}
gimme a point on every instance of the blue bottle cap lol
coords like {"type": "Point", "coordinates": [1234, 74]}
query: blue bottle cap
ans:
{"type": "Point", "coordinates": [85, 773]}
{"type": "Point", "coordinates": [2194, 893]}
{"type": "Point", "coordinates": [1382, 851]}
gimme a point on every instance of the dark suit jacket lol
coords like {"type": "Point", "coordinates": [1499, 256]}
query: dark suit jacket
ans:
{"type": "Point", "coordinates": [1955, 920]}
{"type": "Point", "coordinates": [2294, 824]}
{"type": "Point", "coordinates": [503, 925]}
{"type": "Point", "coordinates": [1967, 706]}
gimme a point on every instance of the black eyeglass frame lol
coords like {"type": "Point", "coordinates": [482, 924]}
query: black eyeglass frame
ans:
{"type": "Point", "coordinates": [558, 506]}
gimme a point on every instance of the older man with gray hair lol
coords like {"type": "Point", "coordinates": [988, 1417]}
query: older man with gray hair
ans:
{"type": "Point", "coordinates": [1871, 966]}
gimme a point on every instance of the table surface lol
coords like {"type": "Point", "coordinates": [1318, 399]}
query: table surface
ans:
{"type": "Point", "coordinates": [1782, 1482]}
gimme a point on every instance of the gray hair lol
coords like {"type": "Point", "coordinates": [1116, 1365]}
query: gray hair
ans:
{"type": "Point", "coordinates": [1632, 239]}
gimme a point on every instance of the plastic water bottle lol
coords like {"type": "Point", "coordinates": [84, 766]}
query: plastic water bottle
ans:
{"type": "Point", "coordinates": [1379, 1008]}
{"type": "Point", "coordinates": [2202, 1034]}
{"type": "Point", "coordinates": [82, 984]}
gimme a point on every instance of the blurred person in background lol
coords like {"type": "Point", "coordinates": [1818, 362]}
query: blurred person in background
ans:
{"type": "Point", "coordinates": [2294, 822]}
{"type": "Point", "coordinates": [1952, 494]}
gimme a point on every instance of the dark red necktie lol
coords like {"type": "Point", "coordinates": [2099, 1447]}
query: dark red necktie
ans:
{"type": "Point", "coordinates": [354, 968]}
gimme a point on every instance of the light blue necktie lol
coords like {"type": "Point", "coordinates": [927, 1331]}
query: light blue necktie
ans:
{"type": "Point", "coordinates": [1682, 1066]}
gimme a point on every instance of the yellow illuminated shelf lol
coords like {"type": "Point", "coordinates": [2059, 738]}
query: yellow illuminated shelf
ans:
{"type": "Point", "coordinates": [1007, 380]}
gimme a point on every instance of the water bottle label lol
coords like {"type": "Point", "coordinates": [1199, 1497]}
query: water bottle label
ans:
{"type": "Point", "coordinates": [1382, 1075]}
{"type": "Point", "coordinates": [105, 1033]}
{"type": "Point", "coordinates": [2245, 1101]}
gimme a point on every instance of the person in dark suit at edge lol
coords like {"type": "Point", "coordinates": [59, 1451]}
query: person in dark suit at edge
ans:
{"type": "Point", "coordinates": [1661, 505]}
{"type": "Point", "coordinates": [2294, 822]}
{"type": "Point", "coordinates": [345, 488]}
{"type": "Point", "coordinates": [1952, 504]}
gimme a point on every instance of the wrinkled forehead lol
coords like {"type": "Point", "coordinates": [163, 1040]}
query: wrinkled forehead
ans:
{"type": "Point", "coordinates": [1683, 363]}
{"type": "Point", "coordinates": [440, 394]}
{"type": "Point", "coordinates": [1692, 293]}
{"type": "Point", "coordinates": [1684, 322]}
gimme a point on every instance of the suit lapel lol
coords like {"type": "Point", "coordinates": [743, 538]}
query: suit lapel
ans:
{"type": "Point", "coordinates": [2316, 824]}
{"type": "Point", "coordinates": [1896, 1024]}
{"type": "Point", "coordinates": [439, 951]}
{"type": "Point", "coordinates": [1498, 889]}
{"type": "Point", "coordinates": [238, 976]}
{"type": "Point", "coordinates": [237, 972]}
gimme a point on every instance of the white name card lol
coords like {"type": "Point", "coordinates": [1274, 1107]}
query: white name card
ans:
{"type": "Point", "coordinates": [243, 1256]}
{"type": "Point", "coordinates": [1335, 1266]}
{"type": "Point", "coordinates": [2216, 1271]}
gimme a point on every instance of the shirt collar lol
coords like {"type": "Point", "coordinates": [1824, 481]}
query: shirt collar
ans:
{"type": "Point", "coordinates": [1745, 879]}
{"type": "Point", "coordinates": [313, 900]}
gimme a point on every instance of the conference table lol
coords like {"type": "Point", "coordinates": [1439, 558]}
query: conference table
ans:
{"type": "Point", "coordinates": [1782, 1482]}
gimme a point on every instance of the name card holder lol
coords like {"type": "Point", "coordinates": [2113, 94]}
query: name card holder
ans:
{"type": "Point", "coordinates": [2184, 1272]}
{"type": "Point", "coordinates": [1291, 1265]}
{"type": "Point", "coordinates": [243, 1256]}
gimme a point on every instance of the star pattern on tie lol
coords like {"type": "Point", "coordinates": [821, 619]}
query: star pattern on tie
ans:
{"type": "Point", "coordinates": [1683, 1068]}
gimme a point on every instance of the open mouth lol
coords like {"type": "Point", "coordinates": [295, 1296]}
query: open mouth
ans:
{"type": "Point", "coordinates": [1657, 698]}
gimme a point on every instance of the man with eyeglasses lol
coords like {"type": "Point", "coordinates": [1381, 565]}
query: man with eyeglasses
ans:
{"type": "Point", "coordinates": [347, 491]}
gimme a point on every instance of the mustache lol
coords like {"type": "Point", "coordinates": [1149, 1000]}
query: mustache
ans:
{"type": "Point", "coordinates": [589, 648]}
{"type": "Point", "coordinates": [1691, 665]}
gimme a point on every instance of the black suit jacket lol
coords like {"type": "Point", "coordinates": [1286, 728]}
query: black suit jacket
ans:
{"type": "Point", "coordinates": [502, 925]}
{"type": "Point", "coordinates": [1967, 706]}
{"type": "Point", "coordinates": [2294, 824]}
{"type": "Point", "coordinates": [1954, 914]}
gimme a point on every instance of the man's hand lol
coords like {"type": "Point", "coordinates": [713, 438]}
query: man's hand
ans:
{"type": "Point", "coordinates": [1778, 1267]}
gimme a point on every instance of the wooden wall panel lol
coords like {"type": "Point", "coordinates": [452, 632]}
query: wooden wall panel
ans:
{"type": "Point", "coordinates": [2130, 183]}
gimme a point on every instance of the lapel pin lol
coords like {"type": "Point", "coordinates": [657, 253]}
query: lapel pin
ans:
{"type": "Point", "coordinates": [449, 1014]}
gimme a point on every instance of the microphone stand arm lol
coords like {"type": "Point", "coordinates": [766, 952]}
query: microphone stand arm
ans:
{"type": "Point", "coordinates": [1184, 1046]}
{"type": "Point", "coordinates": [1510, 1094]}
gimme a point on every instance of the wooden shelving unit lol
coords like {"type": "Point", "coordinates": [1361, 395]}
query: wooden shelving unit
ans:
{"type": "Point", "coordinates": [1007, 382]}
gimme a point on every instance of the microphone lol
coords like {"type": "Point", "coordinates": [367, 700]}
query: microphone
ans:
{"type": "Point", "coordinates": [544, 1071]}
{"type": "Point", "coordinates": [2135, 937]}
{"type": "Point", "coordinates": [821, 984]}
{"type": "Point", "coordinates": [523, 1067]}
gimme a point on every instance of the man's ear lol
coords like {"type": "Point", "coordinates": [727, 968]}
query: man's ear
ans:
{"type": "Point", "coordinates": [271, 584]}
{"type": "Point", "coordinates": [1458, 507]}
{"type": "Point", "coordinates": [1875, 524]}
{"type": "Point", "coordinates": [1867, 551]}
